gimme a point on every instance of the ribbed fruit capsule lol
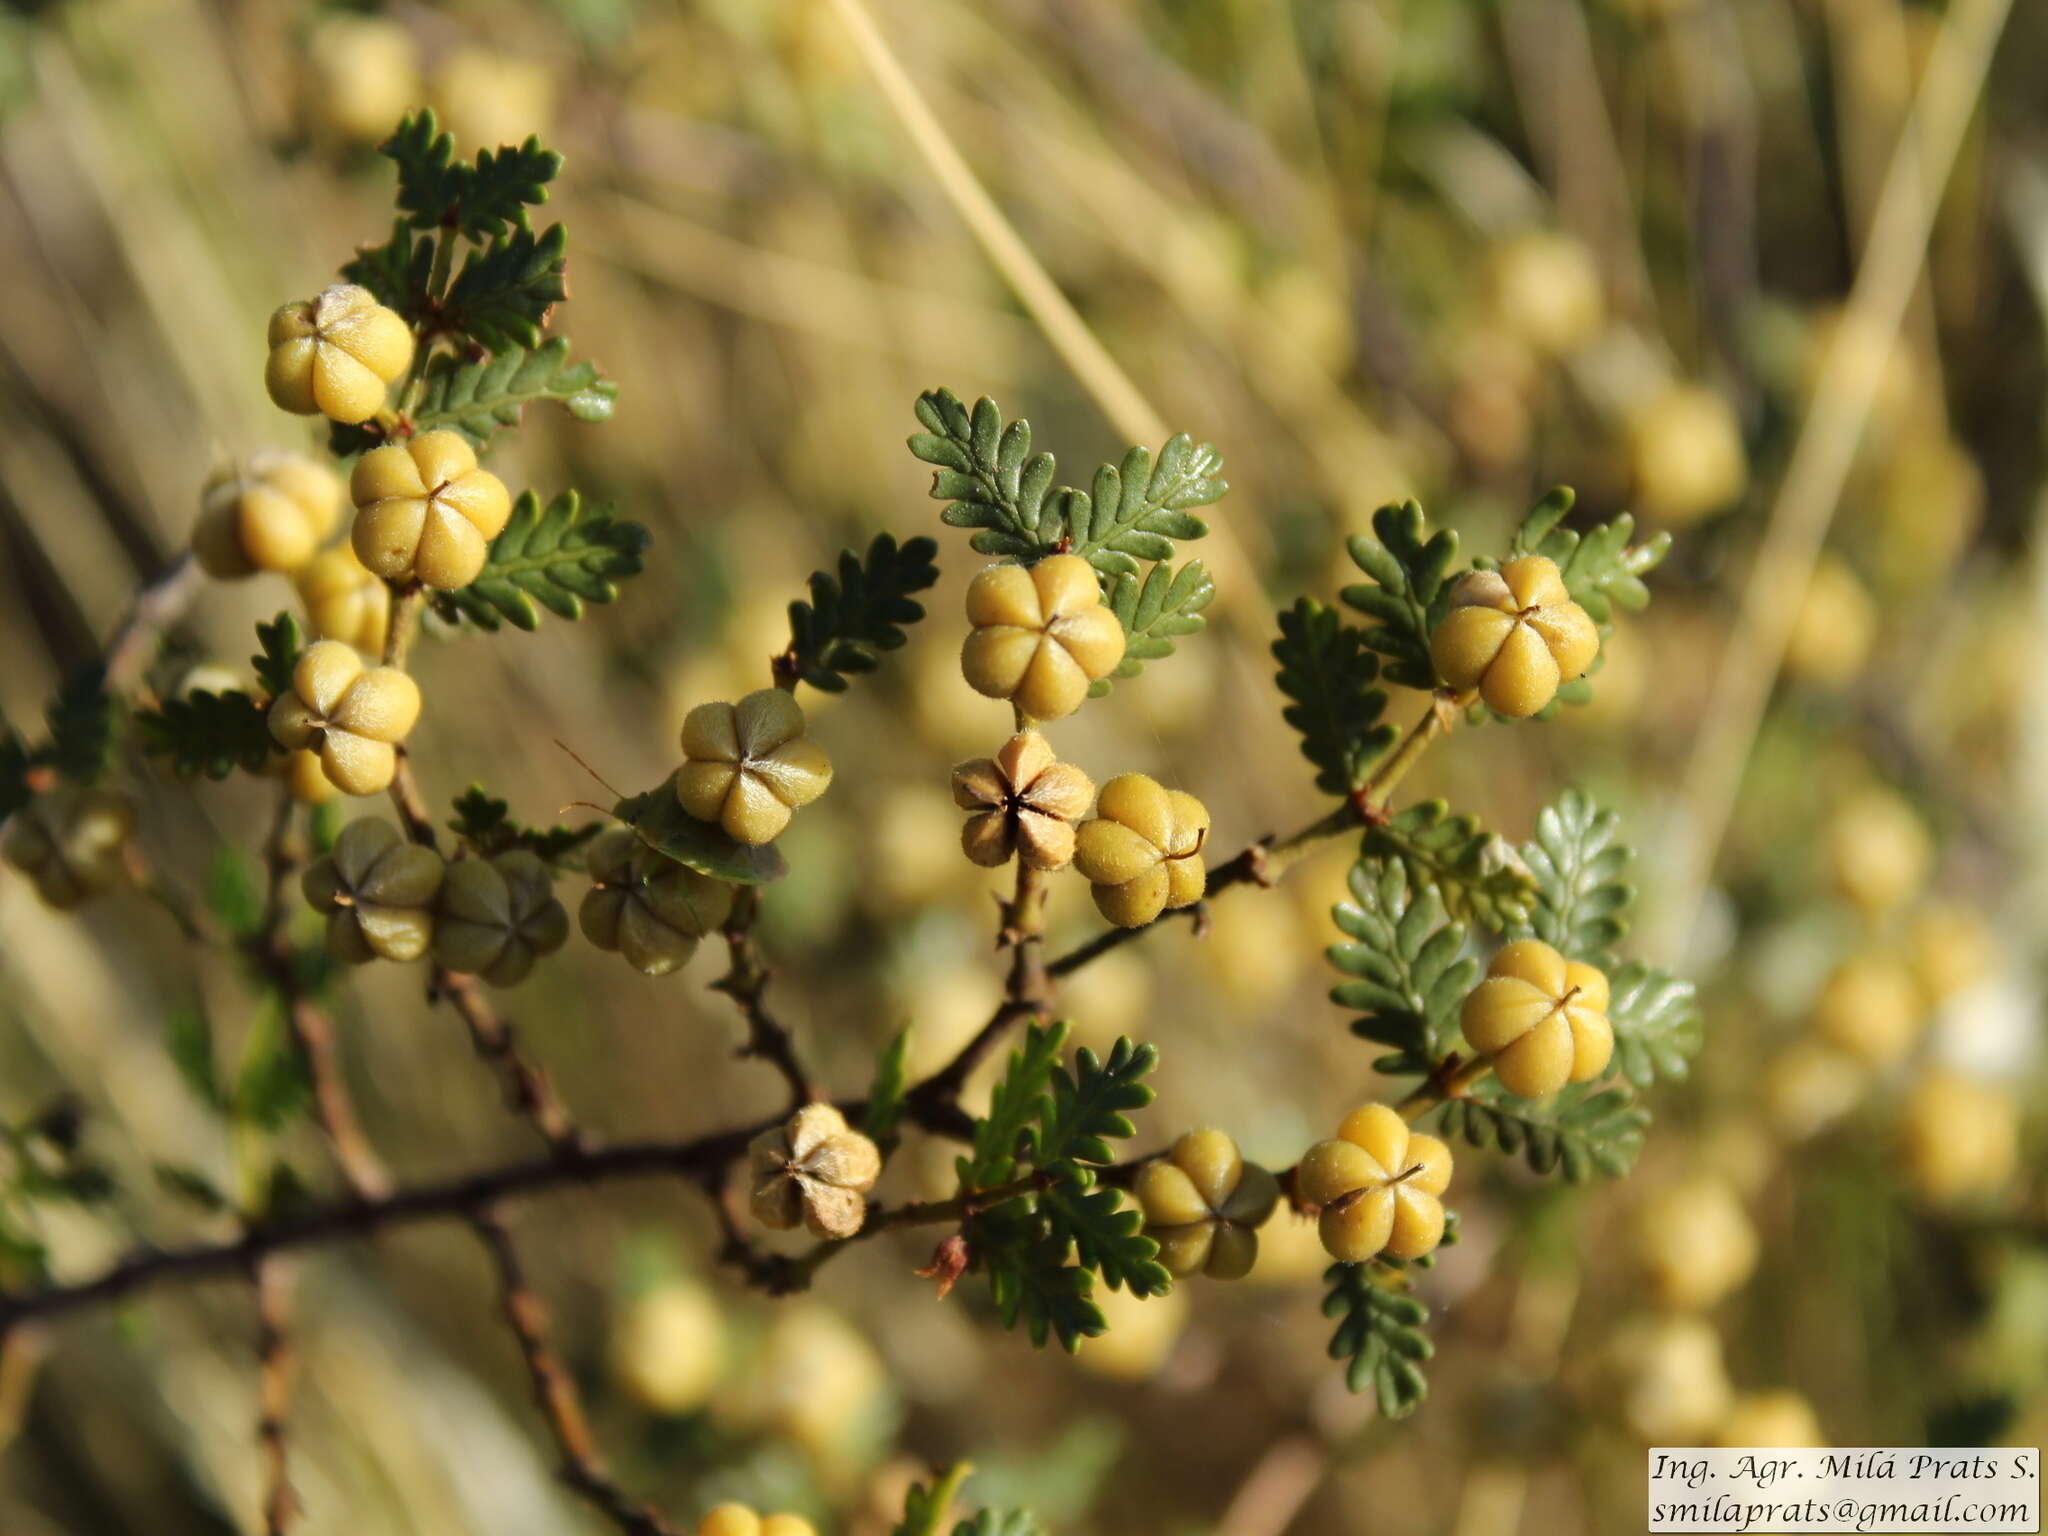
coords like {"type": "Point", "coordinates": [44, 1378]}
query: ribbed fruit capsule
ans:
{"type": "Point", "coordinates": [353, 716]}
{"type": "Point", "coordinates": [1515, 635]}
{"type": "Point", "coordinates": [270, 512]}
{"type": "Point", "coordinates": [336, 354]}
{"type": "Point", "coordinates": [1041, 636]}
{"type": "Point", "coordinates": [646, 906]}
{"type": "Point", "coordinates": [1142, 854]}
{"type": "Point", "coordinates": [1203, 1205]}
{"type": "Point", "coordinates": [377, 892]}
{"type": "Point", "coordinates": [1380, 1186]}
{"type": "Point", "coordinates": [1541, 1018]}
{"type": "Point", "coordinates": [425, 511]}
{"type": "Point", "coordinates": [749, 766]}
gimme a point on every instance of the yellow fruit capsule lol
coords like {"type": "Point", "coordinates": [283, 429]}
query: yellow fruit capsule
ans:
{"type": "Point", "coordinates": [1542, 1019]}
{"type": "Point", "coordinates": [1959, 1138]}
{"type": "Point", "coordinates": [749, 767]}
{"type": "Point", "coordinates": [1142, 854]}
{"type": "Point", "coordinates": [1687, 453]}
{"type": "Point", "coordinates": [377, 891]}
{"type": "Point", "coordinates": [648, 907]}
{"type": "Point", "coordinates": [1203, 1204]}
{"type": "Point", "coordinates": [1515, 635]}
{"type": "Point", "coordinates": [345, 600]}
{"type": "Point", "coordinates": [1041, 635]}
{"type": "Point", "coordinates": [1869, 1008]}
{"type": "Point", "coordinates": [1695, 1242]}
{"type": "Point", "coordinates": [269, 513]}
{"type": "Point", "coordinates": [1379, 1185]}
{"type": "Point", "coordinates": [425, 511]}
{"type": "Point", "coordinates": [351, 715]}
{"type": "Point", "coordinates": [71, 842]}
{"type": "Point", "coordinates": [336, 354]}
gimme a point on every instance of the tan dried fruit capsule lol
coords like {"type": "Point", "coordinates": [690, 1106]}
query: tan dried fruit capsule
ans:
{"type": "Point", "coordinates": [1142, 854]}
{"type": "Point", "coordinates": [738, 1520]}
{"type": "Point", "coordinates": [1203, 1205]}
{"type": "Point", "coordinates": [1026, 803]}
{"type": "Point", "coordinates": [336, 354]}
{"type": "Point", "coordinates": [814, 1170]}
{"type": "Point", "coordinates": [646, 906]}
{"type": "Point", "coordinates": [1541, 1017]}
{"type": "Point", "coordinates": [425, 512]}
{"type": "Point", "coordinates": [71, 842]}
{"type": "Point", "coordinates": [377, 891]}
{"type": "Point", "coordinates": [345, 599]}
{"type": "Point", "coordinates": [1041, 635]}
{"type": "Point", "coordinates": [1515, 635]}
{"type": "Point", "coordinates": [1379, 1185]}
{"type": "Point", "coordinates": [748, 766]}
{"type": "Point", "coordinates": [1869, 1007]}
{"type": "Point", "coordinates": [498, 916]}
{"type": "Point", "coordinates": [353, 716]}
{"type": "Point", "coordinates": [269, 513]}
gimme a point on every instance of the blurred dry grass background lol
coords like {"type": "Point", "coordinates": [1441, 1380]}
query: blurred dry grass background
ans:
{"type": "Point", "coordinates": [1370, 248]}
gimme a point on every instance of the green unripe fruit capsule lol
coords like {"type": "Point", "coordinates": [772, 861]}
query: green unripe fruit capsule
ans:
{"type": "Point", "coordinates": [377, 891]}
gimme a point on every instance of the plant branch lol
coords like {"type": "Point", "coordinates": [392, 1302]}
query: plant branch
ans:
{"type": "Point", "coordinates": [156, 608]}
{"type": "Point", "coordinates": [312, 1033]}
{"type": "Point", "coordinates": [274, 1395]}
{"type": "Point", "coordinates": [554, 1390]}
{"type": "Point", "coordinates": [527, 1089]}
{"type": "Point", "coordinates": [746, 983]}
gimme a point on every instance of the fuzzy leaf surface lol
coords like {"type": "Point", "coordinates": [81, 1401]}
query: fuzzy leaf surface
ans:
{"type": "Point", "coordinates": [488, 826]}
{"type": "Point", "coordinates": [1479, 874]}
{"type": "Point", "coordinates": [1579, 863]}
{"type": "Point", "coordinates": [988, 476]}
{"type": "Point", "coordinates": [1155, 611]}
{"type": "Point", "coordinates": [1583, 1130]}
{"type": "Point", "coordinates": [1136, 510]}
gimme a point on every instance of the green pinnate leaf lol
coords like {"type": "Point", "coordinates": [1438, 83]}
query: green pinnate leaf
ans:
{"type": "Point", "coordinates": [482, 198]}
{"type": "Point", "coordinates": [208, 734]}
{"type": "Point", "coordinates": [1403, 600]}
{"type": "Point", "coordinates": [501, 294]}
{"type": "Point", "coordinates": [1602, 569]}
{"type": "Point", "coordinates": [1328, 674]}
{"type": "Point", "coordinates": [1583, 1130]}
{"type": "Point", "coordinates": [398, 272]}
{"type": "Point", "coordinates": [1136, 510]}
{"type": "Point", "coordinates": [1380, 1337]}
{"type": "Point", "coordinates": [659, 820]}
{"type": "Point", "coordinates": [987, 474]}
{"type": "Point", "coordinates": [1156, 610]}
{"type": "Point", "coordinates": [487, 825]}
{"type": "Point", "coordinates": [279, 643]}
{"type": "Point", "coordinates": [271, 1088]}
{"type": "Point", "coordinates": [1085, 1109]}
{"type": "Point", "coordinates": [477, 397]}
{"type": "Point", "coordinates": [1581, 896]}
{"type": "Point", "coordinates": [81, 721]}
{"type": "Point", "coordinates": [1657, 1024]}
{"type": "Point", "coordinates": [886, 1093]}
{"type": "Point", "coordinates": [1406, 958]}
{"type": "Point", "coordinates": [1021, 1100]}
{"type": "Point", "coordinates": [1480, 875]}
{"type": "Point", "coordinates": [1105, 1236]}
{"type": "Point", "coordinates": [559, 560]}
{"type": "Point", "coordinates": [1001, 1522]}
{"type": "Point", "coordinates": [855, 616]}
{"type": "Point", "coordinates": [1034, 1287]}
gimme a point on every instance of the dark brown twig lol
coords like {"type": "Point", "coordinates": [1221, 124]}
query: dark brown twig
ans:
{"type": "Point", "coordinates": [274, 1394]}
{"type": "Point", "coordinates": [746, 983]}
{"type": "Point", "coordinates": [554, 1390]}
{"type": "Point", "coordinates": [311, 1031]}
